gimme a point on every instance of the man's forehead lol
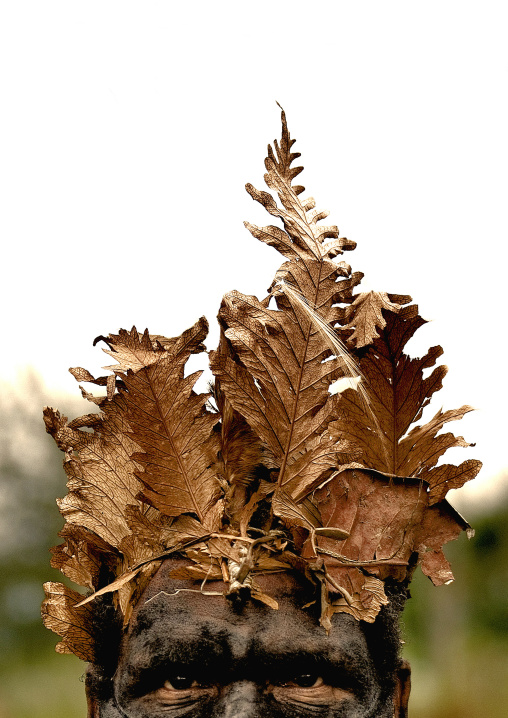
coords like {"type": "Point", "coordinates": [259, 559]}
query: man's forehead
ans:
{"type": "Point", "coordinates": [183, 612]}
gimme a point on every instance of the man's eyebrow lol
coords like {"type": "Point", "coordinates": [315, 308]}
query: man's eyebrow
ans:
{"type": "Point", "coordinates": [351, 671]}
{"type": "Point", "coordinates": [314, 654]}
{"type": "Point", "coordinates": [349, 666]}
{"type": "Point", "coordinates": [155, 646]}
{"type": "Point", "coordinates": [155, 655]}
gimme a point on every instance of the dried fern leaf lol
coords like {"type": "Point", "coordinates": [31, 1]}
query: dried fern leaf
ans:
{"type": "Point", "coordinates": [277, 376]}
{"type": "Point", "coordinates": [443, 478]}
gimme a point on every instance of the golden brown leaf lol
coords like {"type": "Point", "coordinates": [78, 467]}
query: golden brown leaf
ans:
{"type": "Point", "coordinates": [100, 472]}
{"type": "Point", "coordinates": [108, 523]}
{"type": "Point", "coordinates": [366, 596]}
{"type": "Point", "coordinates": [176, 436]}
{"type": "Point", "coordinates": [134, 351]}
{"type": "Point", "coordinates": [83, 556]}
{"type": "Point", "coordinates": [74, 625]}
{"type": "Point", "coordinates": [440, 524]}
{"type": "Point", "coordinates": [398, 392]}
{"type": "Point", "coordinates": [421, 448]}
{"type": "Point", "coordinates": [443, 478]}
{"type": "Point", "coordinates": [123, 579]}
{"type": "Point", "coordinates": [259, 595]}
{"type": "Point", "coordinates": [282, 387]}
{"type": "Point", "coordinates": [367, 316]}
{"type": "Point", "coordinates": [241, 451]}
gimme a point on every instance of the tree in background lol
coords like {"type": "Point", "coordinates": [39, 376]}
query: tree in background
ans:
{"type": "Point", "coordinates": [457, 637]}
{"type": "Point", "coordinates": [31, 476]}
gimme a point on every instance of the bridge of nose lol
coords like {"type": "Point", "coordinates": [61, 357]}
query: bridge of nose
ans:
{"type": "Point", "coordinates": [241, 699]}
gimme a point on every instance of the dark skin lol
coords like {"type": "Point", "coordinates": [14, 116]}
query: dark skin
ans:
{"type": "Point", "coordinates": [189, 655]}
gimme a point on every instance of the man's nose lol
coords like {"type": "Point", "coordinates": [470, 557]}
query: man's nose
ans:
{"type": "Point", "coordinates": [241, 700]}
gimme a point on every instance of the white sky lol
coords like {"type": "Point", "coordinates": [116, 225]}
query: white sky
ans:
{"type": "Point", "coordinates": [130, 128]}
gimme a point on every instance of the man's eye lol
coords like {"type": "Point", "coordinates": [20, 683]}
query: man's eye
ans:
{"type": "Point", "coordinates": [181, 683]}
{"type": "Point", "coordinates": [306, 680]}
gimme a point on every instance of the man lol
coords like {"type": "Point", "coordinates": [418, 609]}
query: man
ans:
{"type": "Point", "coordinates": [248, 553]}
{"type": "Point", "coordinates": [189, 654]}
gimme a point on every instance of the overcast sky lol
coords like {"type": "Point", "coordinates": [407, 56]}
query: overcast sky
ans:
{"type": "Point", "coordinates": [131, 128]}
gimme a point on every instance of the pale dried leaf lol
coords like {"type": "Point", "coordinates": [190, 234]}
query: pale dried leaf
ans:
{"type": "Point", "coordinates": [134, 351]}
{"type": "Point", "coordinates": [62, 615]}
{"type": "Point", "coordinates": [259, 595]}
{"type": "Point", "coordinates": [421, 448]}
{"type": "Point", "coordinates": [366, 602]}
{"type": "Point", "coordinates": [100, 472]}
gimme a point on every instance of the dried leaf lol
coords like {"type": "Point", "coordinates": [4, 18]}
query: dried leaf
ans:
{"type": "Point", "coordinates": [259, 595]}
{"type": "Point", "coordinates": [135, 351]}
{"type": "Point", "coordinates": [83, 556]}
{"type": "Point", "coordinates": [440, 524]}
{"type": "Point", "coordinates": [108, 522]}
{"type": "Point", "coordinates": [244, 516]}
{"type": "Point", "coordinates": [367, 316]}
{"type": "Point", "coordinates": [446, 477]}
{"type": "Point", "coordinates": [61, 615]}
{"type": "Point", "coordinates": [275, 374]}
{"type": "Point", "coordinates": [100, 472]}
{"type": "Point", "coordinates": [381, 516]}
{"type": "Point", "coordinates": [241, 452]}
{"type": "Point", "coordinates": [366, 600]}
{"type": "Point", "coordinates": [421, 448]}
{"type": "Point", "coordinates": [379, 522]}
{"type": "Point", "coordinates": [175, 432]}
{"type": "Point", "coordinates": [398, 393]}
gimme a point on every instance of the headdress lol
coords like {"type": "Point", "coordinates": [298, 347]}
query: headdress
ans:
{"type": "Point", "coordinates": [307, 455]}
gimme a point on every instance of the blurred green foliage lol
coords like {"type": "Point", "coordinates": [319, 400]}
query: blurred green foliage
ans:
{"type": "Point", "coordinates": [456, 636]}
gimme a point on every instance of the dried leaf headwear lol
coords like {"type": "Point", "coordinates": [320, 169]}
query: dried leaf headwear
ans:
{"type": "Point", "coordinates": [307, 456]}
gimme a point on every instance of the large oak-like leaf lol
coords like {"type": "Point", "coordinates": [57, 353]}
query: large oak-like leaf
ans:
{"type": "Point", "coordinates": [388, 521]}
{"type": "Point", "coordinates": [365, 316]}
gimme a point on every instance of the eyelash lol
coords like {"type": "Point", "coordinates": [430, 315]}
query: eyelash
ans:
{"type": "Point", "coordinates": [182, 683]}
{"type": "Point", "coordinates": [305, 680]}
{"type": "Point", "coordinates": [186, 682]}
